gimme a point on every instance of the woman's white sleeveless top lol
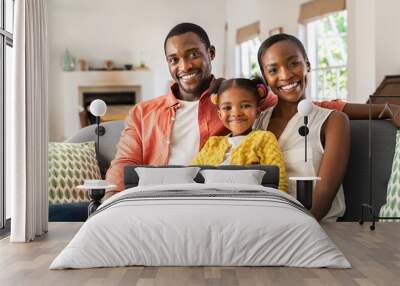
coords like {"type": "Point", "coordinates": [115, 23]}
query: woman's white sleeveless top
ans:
{"type": "Point", "coordinates": [292, 147]}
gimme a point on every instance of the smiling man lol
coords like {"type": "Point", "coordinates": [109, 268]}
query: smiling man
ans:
{"type": "Point", "coordinates": [171, 129]}
{"type": "Point", "coordinates": [189, 57]}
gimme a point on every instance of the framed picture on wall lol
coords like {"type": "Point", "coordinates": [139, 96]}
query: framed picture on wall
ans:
{"type": "Point", "coordinates": [276, 30]}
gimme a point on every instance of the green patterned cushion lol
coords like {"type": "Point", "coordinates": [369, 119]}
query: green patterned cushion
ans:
{"type": "Point", "coordinates": [69, 165]}
{"type": "Point", "coordinates": [392, 206]}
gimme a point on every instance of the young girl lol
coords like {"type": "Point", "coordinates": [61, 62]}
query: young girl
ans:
{"type": "Point", "coordinates": [238, 102]}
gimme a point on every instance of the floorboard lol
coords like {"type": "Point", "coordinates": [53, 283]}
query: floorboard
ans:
{"type": "Point", "coordinates": [374, 255]}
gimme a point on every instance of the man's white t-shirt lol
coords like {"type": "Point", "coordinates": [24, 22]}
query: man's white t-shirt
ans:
{"type": "Point", "coordinates": [185, 137]}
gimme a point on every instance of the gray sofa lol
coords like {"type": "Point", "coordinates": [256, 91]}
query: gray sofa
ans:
{"type": "Point", "coordinates": [356, 181]}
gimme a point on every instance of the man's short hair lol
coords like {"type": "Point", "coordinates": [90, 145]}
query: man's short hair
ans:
{"type": "Point", "coordinates": [183, 28]}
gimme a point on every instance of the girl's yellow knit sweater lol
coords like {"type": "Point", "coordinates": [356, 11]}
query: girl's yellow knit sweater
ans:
{"type": "Point", "coordinates": [257, 148]}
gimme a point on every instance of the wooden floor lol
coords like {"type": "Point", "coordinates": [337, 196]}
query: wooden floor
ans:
{"type": "Point", "coordinates": [374, 255]}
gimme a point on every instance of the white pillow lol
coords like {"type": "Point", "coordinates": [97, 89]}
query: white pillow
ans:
{"type": "Point", "coordinates": [248, 177]}
{"type": "Point", "coordinates": [166, 176]}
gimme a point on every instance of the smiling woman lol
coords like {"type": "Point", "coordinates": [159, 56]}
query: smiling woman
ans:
{"type": "Point", "coordinates": [285, 66]}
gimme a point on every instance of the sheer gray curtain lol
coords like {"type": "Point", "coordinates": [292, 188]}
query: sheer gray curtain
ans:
{"type": "Point", "coordinates": [26, 120]}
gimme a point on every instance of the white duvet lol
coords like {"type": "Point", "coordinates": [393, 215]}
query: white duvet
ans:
{"type": "Point", "coordinates": [184, 230]}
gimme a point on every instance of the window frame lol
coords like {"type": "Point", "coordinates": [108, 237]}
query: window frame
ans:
{"type": "Point", "coordinates": [311, 40]}
{"type": "Point", "coordinates": [6, 39]}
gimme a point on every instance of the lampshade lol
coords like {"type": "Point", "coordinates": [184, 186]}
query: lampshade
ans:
{"type": "Point", "coordinates": [98, 107]}
{"type": "Point", "coordinates": [305, 107]}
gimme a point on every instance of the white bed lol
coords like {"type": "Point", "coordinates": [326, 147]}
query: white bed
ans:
{"type": "Point", "coordinates": [201, 224]}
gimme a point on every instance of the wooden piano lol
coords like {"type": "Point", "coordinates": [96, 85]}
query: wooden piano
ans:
{"type": "Point", "coordinates": [389, 87]}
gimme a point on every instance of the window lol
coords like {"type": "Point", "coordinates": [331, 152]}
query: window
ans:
{"type": "Point", "coordinates": [6, 44]}
{"type": "Point", "coordinates": [246, 59]}
{"type": "Point", "coordinates": [326, 40]}
{"type": "Point", "coordinates": [247, 44]}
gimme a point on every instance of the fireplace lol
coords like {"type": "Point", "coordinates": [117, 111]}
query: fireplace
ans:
{"type": "Point", "coordinates": [119, 100]}
{"type": "Point", "coordinates": [73, 84]}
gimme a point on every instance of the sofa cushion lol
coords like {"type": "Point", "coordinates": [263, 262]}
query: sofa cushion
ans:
{"type": "Point", "coordinates": [69, 165]}
{"type": "Point", "coordinates": [108, 141]}
{"type": "Point", "coordinates": [392, 206]}
{"type": "Point", "coordinates": [68, 212]}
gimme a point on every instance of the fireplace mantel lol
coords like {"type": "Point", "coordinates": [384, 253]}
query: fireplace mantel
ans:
{"type": "Point", "coordinates": [72, 81]}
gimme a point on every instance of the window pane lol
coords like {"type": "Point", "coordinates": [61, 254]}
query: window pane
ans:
{"type": "Point", "coordinates": [2, 201]}
{"type": "Point", "coordinates": [343, 83]}
{"type": "Point", "coordinates": [244, 53]}
{"type": "Point", "coordinates": [8, 86]}
{"type": "Point", "coordinates": [1, 15]}
{"type": "Point", "coordinates": [327, 50]}
{"type": "Point", "coordinates": [332, 51]}
{"type": "Point", "coordinates": [248, 58]}
{"type": "Point", "coordinates": [321, 84]}
{"type": "Point", "coordinates": [9, 15]}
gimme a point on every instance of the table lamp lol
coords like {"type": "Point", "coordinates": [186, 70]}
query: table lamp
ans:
{"type": "Point", "coordinates": [98, 108]}
{"type": "Point", "coordinates": [304, 185]}
{"type": "Point", "coordinates": [304, 108]}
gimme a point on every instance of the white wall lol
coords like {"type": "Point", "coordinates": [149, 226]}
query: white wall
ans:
{"type": "Point", "coordinates": [374, 40]}
{"type": "Point", "coordinates": [122, 30]}
{"type": "Point", "coordinates": [361, 49]}
{"type": "Point", "coordinates": [387, 38]}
